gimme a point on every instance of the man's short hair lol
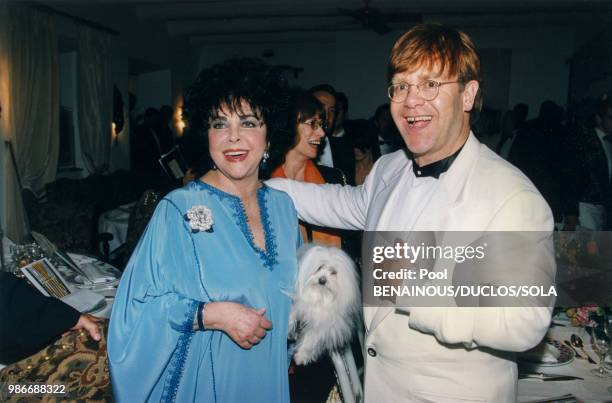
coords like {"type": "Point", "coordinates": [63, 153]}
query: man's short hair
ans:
{"type": "Point", "coordinates": [151, 113]}
{"type": "Point", "coordinates": [167, 110]}
{"type": "Point", "coordinates": [382, 109]}
{"type": "Point", "coordinates": [520, 112]}
{"type": "Point", "coordinates": [435, 46]}
{"type": "Point", "coordinates": [342, 102]}
{"type": "Point", "coordinates": [603, 104]}
{"type": "Point", "coordinates": [323, 88]}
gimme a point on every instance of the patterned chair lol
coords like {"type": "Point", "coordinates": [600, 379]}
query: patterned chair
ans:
{"type": "Point", "coordinates": [66, 222]}
{"type": "Point", "coordinates": [75, 361]}
{"type": "Point", "coordinates": [68, 214]}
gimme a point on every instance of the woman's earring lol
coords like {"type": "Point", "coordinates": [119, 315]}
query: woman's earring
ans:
{"type": "Point", "coordinates": [266, 154]}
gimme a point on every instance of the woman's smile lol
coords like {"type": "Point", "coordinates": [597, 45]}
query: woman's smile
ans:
{"type": "Point", "coordinates": [235, 155]}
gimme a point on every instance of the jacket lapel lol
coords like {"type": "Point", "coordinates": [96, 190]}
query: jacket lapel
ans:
{"type": "Point", "coordinates": [441, 213]}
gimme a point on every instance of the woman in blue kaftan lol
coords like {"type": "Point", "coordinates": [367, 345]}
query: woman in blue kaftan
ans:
{"type": "Point", "coordinates": [201, 313]}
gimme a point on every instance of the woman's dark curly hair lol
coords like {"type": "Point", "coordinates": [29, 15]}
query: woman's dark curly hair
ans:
{"type": "Point", "coordinates": [230, 83]}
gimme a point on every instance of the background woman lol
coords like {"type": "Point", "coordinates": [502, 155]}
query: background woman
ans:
{"type": "Point", "coordinates": [201, 313]}
{"type": "Point", "coordinates": [307, 118]}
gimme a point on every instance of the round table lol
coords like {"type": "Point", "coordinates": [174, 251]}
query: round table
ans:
{"type": "Point", "coordinates": [591, 389]}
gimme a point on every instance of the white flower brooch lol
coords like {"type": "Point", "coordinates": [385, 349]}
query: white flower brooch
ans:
{"type": "Point", "coordinates": [200, 218]}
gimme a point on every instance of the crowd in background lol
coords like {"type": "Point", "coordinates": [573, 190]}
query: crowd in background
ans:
{"type": "Point", "coordinates": [566, 153]}
{"type": "Point", "coordinates": [356, 143]}
{"type": "Point", "coordinates": [559, 150]}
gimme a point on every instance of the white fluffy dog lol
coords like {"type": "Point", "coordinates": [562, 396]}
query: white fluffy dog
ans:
{"type": "Point", "coordinates": [326, 302]}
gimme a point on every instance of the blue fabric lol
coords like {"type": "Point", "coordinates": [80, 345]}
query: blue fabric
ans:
{"type": "Point", "coordinates": [154, 354]}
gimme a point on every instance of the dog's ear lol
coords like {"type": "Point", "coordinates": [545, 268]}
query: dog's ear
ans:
{"type": "Point", "coordinates": [309, 259]}
{"type": "Point", "coordinates": [309, 253]}
{"type": "Point", "coordinates": [304, 250]}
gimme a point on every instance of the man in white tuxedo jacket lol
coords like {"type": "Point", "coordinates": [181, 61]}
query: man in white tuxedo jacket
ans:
{"type": "Point", "coordinates": [450, 182]}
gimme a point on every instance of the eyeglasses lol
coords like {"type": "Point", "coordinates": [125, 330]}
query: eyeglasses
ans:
{"type": "Point", "coordinates": [427, 90]}
{"type": "Point", "coordinates": [315, 124]}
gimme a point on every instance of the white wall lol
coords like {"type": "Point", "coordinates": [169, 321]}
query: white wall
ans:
{"type": "Point", "coordinates": [337, 60]}
{"type": "Point", "coordinates": [355, 62]}
{"type": "Point", "coordinates": [539, 61]}
{"type": "Point", "coordinates": [184, 62]}
{"type": "Point", "coordinates": [153, 90]}
{"type": "Point", "coordinates": [316, 57]}
{"type": "Point", "coordinates": [362, 59]}
{"type": "Point", "coordinates": [496, 69]}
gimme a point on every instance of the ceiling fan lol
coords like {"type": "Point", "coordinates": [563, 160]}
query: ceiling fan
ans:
{"type": "Point", "coordinates": [370, 18]}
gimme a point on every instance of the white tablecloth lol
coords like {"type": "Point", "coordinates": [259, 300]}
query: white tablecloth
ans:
{"type": "Point", "coordinates": [106, 288]}
{"type": "Point", "coordinates": [591, 389]}
{"type": "Point", "coordinates": [115, 222]}
{"type": "Point", "coordinates": [6, 248]}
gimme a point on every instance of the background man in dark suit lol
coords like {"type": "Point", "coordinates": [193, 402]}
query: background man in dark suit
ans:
{"type": "Point", "coordinates": [389, 139]}
{"type": "Point", "coordinates": [537, 151]}
{"type": "Point", "coordinates": [586, 187]}
{"type": "Point", "coordinates": [338, 150]}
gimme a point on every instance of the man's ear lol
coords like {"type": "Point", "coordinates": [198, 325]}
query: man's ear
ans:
{"type": "Point", "coordinates": [469, 94]}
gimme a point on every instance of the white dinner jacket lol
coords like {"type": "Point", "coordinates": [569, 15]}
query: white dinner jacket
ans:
{"type": "Point", "coordinates": [439, 354]}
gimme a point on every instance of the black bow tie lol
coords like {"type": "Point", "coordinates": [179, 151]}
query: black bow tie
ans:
{"type": "Point", "coordinates": [435, 169]}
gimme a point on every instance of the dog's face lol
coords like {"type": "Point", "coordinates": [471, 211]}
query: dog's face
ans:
{"type": "Point", "coordinates": [325, 277]}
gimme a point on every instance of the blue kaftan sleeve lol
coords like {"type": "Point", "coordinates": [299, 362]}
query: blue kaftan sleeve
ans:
{"type": "Point", "coordinates": [291, 343]}
{"type": "Point", "coordinates": [152, 319]}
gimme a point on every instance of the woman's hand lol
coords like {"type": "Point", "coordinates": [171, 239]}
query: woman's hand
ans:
{"type": "Point", "coordinates": [246, 326]}
{"type": "Point", "coordinates": [89, 323]}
